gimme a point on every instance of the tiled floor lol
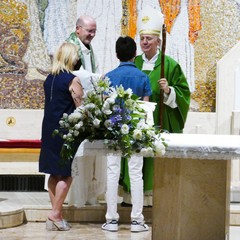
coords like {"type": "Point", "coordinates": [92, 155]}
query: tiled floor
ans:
{"type": "Point", "coordinates": [79, 231]}
{"type": "Point", "coordinates": [37, 231]}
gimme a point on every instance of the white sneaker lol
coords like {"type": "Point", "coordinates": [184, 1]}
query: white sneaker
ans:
{"type": "Point", "coordinates": [111, 226]}
{"type": "Point", "coordinates": [139, 226]}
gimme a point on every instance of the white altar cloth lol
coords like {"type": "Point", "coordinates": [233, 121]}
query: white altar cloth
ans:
{"type": "Point", "coordinates": [89, 164]}
{"type": "Point", "coordinates": [89, 178]}
{"type": "Point", "coordinates": [202, 146]}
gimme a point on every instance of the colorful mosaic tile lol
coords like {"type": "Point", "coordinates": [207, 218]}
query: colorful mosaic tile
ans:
{"type": "Point", "coordinates": [24, 61]}
{"type": "Point", "coordinates": [19, 93]}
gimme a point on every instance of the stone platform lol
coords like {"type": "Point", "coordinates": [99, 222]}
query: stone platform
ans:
{"type": "Point", "coordinates": [19, 207]}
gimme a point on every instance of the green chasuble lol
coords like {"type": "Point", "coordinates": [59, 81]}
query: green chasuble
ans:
{"type": "Point", "coordinates": [173, 118]}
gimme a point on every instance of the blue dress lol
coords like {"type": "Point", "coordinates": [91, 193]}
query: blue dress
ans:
{"type": "Point", "coordinates": [58, 100]}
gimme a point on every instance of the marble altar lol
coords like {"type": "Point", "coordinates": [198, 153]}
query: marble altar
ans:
{"type": "Point", "coordinates": [191, 196]}
{"type": "Point", "coordinates": [195, 170]}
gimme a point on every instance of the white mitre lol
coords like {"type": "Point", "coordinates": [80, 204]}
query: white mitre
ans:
{"type": "Point", "coordinates": [150, 21]}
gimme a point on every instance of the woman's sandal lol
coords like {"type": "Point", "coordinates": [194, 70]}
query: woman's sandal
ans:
{"type": "Point", "coordinates": [57, 226]}
{"type": "Point", "coordinates": [67, 223]}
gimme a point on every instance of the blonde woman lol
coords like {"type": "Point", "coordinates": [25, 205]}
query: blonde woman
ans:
{"type": "Point", "coordinates": [63, 93]}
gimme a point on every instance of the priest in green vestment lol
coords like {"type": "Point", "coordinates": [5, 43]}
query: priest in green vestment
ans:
{"type": "Point", "coordinates": [87, 67]}
{"type": "Point", "coordinates": [174, 85]}
{"type": "Point", "coordinates": [87, 70]}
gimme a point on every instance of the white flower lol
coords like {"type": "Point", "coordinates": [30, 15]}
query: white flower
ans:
{"type": "Point", "coordinates": [90, 106]}
{"type": "Point", "coordinates": [67, 136]}
{"type": "Point", "coordinates": [151, 133]}
{"type": "Point", "coordinates": [160, 148]}
{"type": "Point", "coordinates": [141, 124]}
{"type": "Point", "coordinates": [137, 134]}
{"type": "Point", "coordinates": [129, 92]}
{"type": "Point", "coordinates": [106, 108]}
{"type": "Point", "coordinates": [98, 112]}
{"type": "Point", "coordinates": [61, 123]}
{"type": "Point", "coordinates": [130, 104]}
{"type": "Point", "coordinates": [143, 152]}
{"type": "Point", "coordinates": [115, 107]}
{"type": "Point", "coordinates": [88, 94]}
{"type": "Point", "coordinates": [65, 115]}
{"type": "Point", "coordinates": [106, 105]}
{"type": "Point", "coordinates": [110, 100]}
{"type": "Point", "coordinates": [96, 122]}
{"type": "Point", "coordinates": [74, 117]}
{"type": "Point", "coordinates": [149, 152]}
{"type": "Point", "coordinates": [124, 129]}
{"type": "Point", "coordinates": [76, 133]}
{"type": "Point", "coordinates": [108, 124]}
{"type": "Point", "coordinates": [107, 111]}
{"type": "Point", "coordinates": [78, 125]}
{"type": "Point", "coordinates": [120, 91]}
{"type": "Point", "coordinates": [113, 94]}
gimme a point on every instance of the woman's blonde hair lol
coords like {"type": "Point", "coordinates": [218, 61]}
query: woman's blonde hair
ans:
{"type": "Point", "coordinates": [65, 58]}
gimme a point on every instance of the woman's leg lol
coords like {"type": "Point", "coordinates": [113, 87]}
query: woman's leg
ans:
{"type": "Point", "coordinates": [58, 188]}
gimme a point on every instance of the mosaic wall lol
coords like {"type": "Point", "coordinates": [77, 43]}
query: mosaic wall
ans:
{"type": "Point", "coordinates": [220, 32]}
{"type": "Point", "coordinates": [30, 31]}
{"type": "Point", "coordinates": [16, 65]}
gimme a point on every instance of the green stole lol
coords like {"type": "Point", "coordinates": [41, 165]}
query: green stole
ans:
{"type": "Point", "coordinates": [73, 38]}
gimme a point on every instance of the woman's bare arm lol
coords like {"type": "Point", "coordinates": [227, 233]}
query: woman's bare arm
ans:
{"type": "Point", "coordinates": [76, 90]}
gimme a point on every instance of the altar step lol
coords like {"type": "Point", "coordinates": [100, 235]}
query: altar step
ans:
{"type": "Point", "coordinates": [19, 207]}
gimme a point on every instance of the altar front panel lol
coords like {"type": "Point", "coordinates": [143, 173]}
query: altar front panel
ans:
{"type": "Point", "coordinates": [191, 199]}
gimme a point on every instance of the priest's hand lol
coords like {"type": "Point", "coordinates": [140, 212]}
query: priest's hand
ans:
{"type": "Point", "coordinates": [163, 84]}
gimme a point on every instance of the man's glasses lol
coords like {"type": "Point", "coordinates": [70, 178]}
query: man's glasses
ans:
{"type": "Point", "coordinates": [93, 31]}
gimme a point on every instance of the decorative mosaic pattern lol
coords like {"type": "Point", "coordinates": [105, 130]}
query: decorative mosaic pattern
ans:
{"type": "Point", "coordinates": [170, 10]}
{"type": "Point", "coordinates": [19, 93]}
{"type": "Point", "coordinates": [220, 32]}
{"type": "Point", "coordinates": [42, 5]}
{"type": "Point", "coordinates": [178, 44]}
{"type": "Point", "coordinates": [25, 44]}
{"type": "Point", "coordinates": [129, 18]}
{"type": "Point", "coordinates": [15, 29]}
{"type": "Point", "coordinates": [17, 65]}
{"type": "Point", "coordinates": [194, 13]}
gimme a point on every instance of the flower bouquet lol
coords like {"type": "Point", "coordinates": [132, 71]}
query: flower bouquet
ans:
{"type": "Point", "coordinates": [114, 115]}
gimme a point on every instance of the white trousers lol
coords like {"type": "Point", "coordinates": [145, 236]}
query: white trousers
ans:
{"type": "Point", "coordinates": [135, 164]}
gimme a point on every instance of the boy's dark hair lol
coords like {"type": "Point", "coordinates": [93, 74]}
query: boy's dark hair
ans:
{"type": "Point", "coordinates": [125, 48]}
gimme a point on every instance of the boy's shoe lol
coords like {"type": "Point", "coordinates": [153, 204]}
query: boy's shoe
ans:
{"type": "Point", "coordinates": [111, 226]}
{"type": "Point", "coordinates": [139, 226]}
